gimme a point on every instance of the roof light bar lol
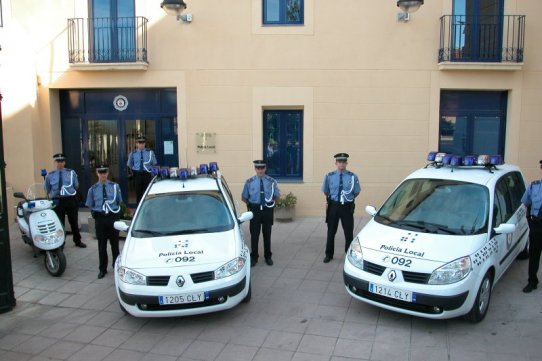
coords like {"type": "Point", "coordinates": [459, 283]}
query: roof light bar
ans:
{"type": "Point", "coordinates": [439, 159]}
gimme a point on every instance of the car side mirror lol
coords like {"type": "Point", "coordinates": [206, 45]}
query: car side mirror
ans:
{"type": "Point", "coordinates": [370, 210]}
{"type": "Point", "coordinates": [505, 228]}
{"type": "Point", "coordinates": [121, 226]}
{"type": "Point", "coordinates": [246, 216]}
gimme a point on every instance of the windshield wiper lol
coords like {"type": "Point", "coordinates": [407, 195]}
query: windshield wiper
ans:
{"type": "Point", "coordinates": [148, 231]}
{"type": "Point", "coordinates": [428, 227]}
{"type": "Point", "coordinates": [387, 219]}
{"type": "Point", "coordinates": [186, 231]}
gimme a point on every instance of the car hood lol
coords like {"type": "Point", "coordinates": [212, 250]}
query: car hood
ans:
{"type": "Point", "coordinates": [378, 240]}
{"type": "Point", "coordinates": [180, 251]}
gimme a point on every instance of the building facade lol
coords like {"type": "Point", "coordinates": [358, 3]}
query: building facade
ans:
{"type": "Point", "coordinates": [289, 81]}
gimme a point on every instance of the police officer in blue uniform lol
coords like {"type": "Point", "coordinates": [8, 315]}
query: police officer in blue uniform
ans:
{"type": "Point", "coordinates": [259, 193]}
{"type": "Point", "coordinates": [532, 198]}
{"type": "Point", "coordinates": [61, 185]}
{"type": "Point", "coordinates": [340, 187]}
{"type": "Point", "coordinates": [104, 199]}
{"type": "Point", "coordinates": [140, 161]}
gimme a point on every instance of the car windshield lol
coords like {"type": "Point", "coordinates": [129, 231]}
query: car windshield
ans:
{"type": "Point", "coordinates": [437, 206]}
{"type": "Point", "coordinates": [182, 213]}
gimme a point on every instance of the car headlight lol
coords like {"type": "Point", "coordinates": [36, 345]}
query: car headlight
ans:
{"type": "Point", "coordinates": [451, 272]}
{"type": "Point", "coordinates": [230, 268]}
{"type": "Point", "coordinates": [355, 255]}
{"type": "Point", "coordinates": [128, 275]}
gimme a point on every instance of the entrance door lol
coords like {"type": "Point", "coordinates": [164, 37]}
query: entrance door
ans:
{"type": "Point", "coordinates": [103, 148]}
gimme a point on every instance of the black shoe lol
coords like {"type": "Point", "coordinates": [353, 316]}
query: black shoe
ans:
{"type": "Point", "coordinates": [101, 274]}
{"type": "Point", "coordinates": [269, 261]}
{"type": "Point", "coordinates": [327, 259]}
{"type": "Point", "coordinates": [253, 262]}
{"type": "Point", "coordinates": [529, 288]}
{"type": "Point", "coordinates": [80, 245]}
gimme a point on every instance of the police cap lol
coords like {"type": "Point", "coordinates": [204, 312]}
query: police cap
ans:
{"type": "Point", "coordinates": [259, 163]}
{"type": "Point", "coordinates": [102, 168]}
{"type": "Point", "coordinates": [341, 156]}
{"type": "Point", "coordinates": [141, 139]}
{"type": "Point", "coordinates": [59, 157]}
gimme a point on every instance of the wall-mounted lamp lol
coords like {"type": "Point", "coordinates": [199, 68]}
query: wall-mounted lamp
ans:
{"type": "Point", "coordinates": [176, 7]}
{"type": "Point", "coordinates": [408, 7]}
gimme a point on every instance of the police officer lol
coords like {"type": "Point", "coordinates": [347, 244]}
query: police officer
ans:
{"type": "Point", "coordinates": [259, 193]}
{"type": "Point", "coordinates": [340, 187]}
{"type": "Point", "coordinates": [104, 199]}
{"type": "Point", "coordinates": [140, 161]}
{"type": "Point", "coordinates": [61, 185]}
{"type": "Point", "coordinates": [532, 198]}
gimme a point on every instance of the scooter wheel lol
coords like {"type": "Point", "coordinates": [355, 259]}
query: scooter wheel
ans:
{"type": "Point", "coordinates": [55, 262]}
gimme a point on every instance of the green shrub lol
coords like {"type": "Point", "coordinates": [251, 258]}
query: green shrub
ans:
{"type": "Point", "coordinates": [288, 200]}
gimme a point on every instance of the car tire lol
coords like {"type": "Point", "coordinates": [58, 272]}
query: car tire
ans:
{"type": "Point", "coordinates": [249, 294]}
{"type": "Point", "coordinates": [481, 303]}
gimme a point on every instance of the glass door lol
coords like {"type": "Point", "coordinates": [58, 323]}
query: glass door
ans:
{"type": "Point", "coordinates": [103, 148]}
{"type": "Point", "coordinates": [134, 128]}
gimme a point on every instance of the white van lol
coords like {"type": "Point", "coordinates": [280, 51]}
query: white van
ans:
{"type": "Point", "coordinates": [441, 241]}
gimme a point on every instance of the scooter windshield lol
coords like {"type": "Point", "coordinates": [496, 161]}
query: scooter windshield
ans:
{"type": "Point", "coordinates": [36, 191]}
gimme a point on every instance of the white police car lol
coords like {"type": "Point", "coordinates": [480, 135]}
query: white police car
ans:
{"type": "Point", "coordinates": [441, 241]}
{"type": "Point", "coordinates": [185, 252]}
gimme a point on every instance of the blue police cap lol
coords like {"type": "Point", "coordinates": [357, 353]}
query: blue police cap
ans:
{"type": "Point", "coordinates": [341, 156]}
{"type": "Point", "coordinates": [141, 139]}
{"type": "Point", "coordinates": [259, 163]}
{"type": "Point", "coordinates": [102, 168]}
{"type": "Point", "coordinates": [59, 157]}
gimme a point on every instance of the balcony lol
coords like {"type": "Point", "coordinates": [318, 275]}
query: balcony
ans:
{"type": "Point", "coordinates": [477, 42]}
{"type": "Point", "coordinates": [108, 43]}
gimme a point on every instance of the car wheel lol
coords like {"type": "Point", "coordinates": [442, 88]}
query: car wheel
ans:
{"type": "Point", "coordinates": [481, 304]}
{"type": "Point", "coordinates": [249, 294]}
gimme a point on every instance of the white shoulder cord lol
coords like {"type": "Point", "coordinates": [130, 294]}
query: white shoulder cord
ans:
{"type": "Point", "coordinates": [64, 190]}
{"type": "Point", "coordinates": [148, 162]}
{"type": "Point", "coordinates": [344, 193]}
{"type": "Point", "coordinates": [271, 197]}
{"type": "Point", "coordinates": [107, 204]}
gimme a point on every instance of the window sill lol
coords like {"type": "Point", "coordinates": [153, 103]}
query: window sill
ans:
{"type": "Point", "coordinates": [449, 65]}
{"type": "Point", "coordinates": [109, 66]}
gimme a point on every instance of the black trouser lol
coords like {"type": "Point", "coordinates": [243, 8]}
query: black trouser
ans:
{"type": "Point", "coordinates": [68, 206]}
{"type": "Point", "coordinates": [263, 219]}
{"type": "Point", "coordinates": [104, 231]}
{"type": "Point", "coordinates": [345, 213]}
{"type": "Point", "coordinates": [535, 249]}
{"type": "Point", "coordinates": [141, 180]}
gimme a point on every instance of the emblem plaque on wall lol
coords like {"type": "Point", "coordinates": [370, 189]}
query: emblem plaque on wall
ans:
{"type": "Point", "coordinates": [120, 103]}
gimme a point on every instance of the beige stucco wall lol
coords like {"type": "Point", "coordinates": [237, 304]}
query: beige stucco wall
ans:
{"type": "Point", "coordinates": [368, 85]}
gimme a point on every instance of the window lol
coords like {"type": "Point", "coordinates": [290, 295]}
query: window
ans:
{"type": "Point", "coordinates": [283, 143]}
{"type": "Point", "coordinates": [472, 122]}
{"type": "Point", "coordinates": [283, 12]}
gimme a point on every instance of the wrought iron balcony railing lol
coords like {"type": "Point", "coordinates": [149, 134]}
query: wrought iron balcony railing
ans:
{"type": "Point", "coordinates": [482, 38]}
{"type": "Point", "coordinates": [107, 40]}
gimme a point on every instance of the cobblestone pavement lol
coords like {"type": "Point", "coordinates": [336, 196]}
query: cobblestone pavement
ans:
{"type": "Point", "coordinates": [299, 311]}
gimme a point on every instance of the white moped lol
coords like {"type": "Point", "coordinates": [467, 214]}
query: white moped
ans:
{"type": "Point", "coordinates": [41, 228]}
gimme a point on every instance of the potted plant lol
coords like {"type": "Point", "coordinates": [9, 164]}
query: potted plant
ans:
{"type": "Point", "coordinates": [285, 207]}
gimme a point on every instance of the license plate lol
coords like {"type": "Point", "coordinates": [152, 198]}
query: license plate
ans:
{"type": "Point", "coordinates": [392, 292]}
{"type": "Point", "coordinates": [184, 298]}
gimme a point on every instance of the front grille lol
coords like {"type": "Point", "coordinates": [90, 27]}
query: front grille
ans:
{"type": "Point", "coordinates": [398, 303]}
{"type": "Point", "coordinates": [157, 280]}
{"type": "Point", "coordinates": [47, 228]}
{"type": "Point", "coordinates": [202, 277]}
{"type": "Point", "coordinates": [415, 277]}
{"type": "Point", "coordinates": [373, 268]}
{"type": "Point", "coordinates": [158, 307]}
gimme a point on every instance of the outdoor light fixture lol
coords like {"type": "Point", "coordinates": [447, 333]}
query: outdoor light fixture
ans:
{"type": "Point", "coordinates": [176, 7]}
{"type": "Point", "coordinates": [407, 6]}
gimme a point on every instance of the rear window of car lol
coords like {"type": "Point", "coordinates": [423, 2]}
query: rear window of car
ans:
{"type": "Point", "coordinates": [182, 213]}
{"type": "Point", "coordinates": [437, 206]}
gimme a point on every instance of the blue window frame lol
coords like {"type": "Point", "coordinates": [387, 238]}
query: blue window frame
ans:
{"type": "Point", "coordinates": [283, 12]}
{"type": "Point", "coordinates": [283, 143]}
{"type": "Point", "coordinates": [472, 122]}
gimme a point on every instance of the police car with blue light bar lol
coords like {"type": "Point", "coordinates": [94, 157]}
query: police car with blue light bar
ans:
{"type": "Point", "coordinates": [442, 240]}
{"type": "Point", "coordinates": [185, 252]}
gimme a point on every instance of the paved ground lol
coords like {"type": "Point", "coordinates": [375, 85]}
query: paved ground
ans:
{"type": "Point", "coordinates": [299, 311]}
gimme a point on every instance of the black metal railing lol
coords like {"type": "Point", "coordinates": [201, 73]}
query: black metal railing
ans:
{"type": "Point", "coordinates": [107, 40]}
{"type": "Point", "coordinates": [482, 38]}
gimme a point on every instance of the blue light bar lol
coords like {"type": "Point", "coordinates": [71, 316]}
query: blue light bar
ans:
{"type": "Point", "coordinates": [496, 159]}
{"type": "Point", "coordinates": [483, 159]}
{"type": "Point", "coordinates": [183, 173]}
{"type": "Point", "coordinates": [173, 172]}
{"type": "Point", "coordinates": [446, 159]}
{"type": "Point", "coordinates": [457, 160]}
{"type": "Point", "coordinates": [155, 170]}
{"type": "Point", "coordinates": [43, 172]}
{"type": "Point", "coordinates": [213, 166]}
{"type": "Point", "coordinates": [203, 169]}
{"type": "Point", "coordinates": [164, 172]}
{"type": "Point", "coordinates": [193, 172]}
{"type": "Point", "coordinates": [431, 156]}
{"type": "Point", "coordinates": [469, 160]}
{"type": "Point", "coordinates": [439, 157]}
